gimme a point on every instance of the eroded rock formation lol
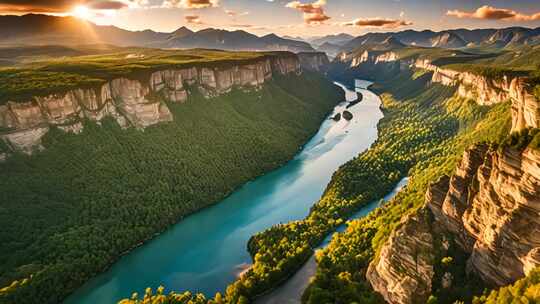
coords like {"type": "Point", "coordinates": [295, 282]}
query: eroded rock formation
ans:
{"type": "Point", "coordinates": [403, 271]}
{"type": "Point", "coordinates": [491, 208]}
{"type": "Point", "coordinates": [484, 90]}
{"type": "Point", "coordinates": [131, 102]}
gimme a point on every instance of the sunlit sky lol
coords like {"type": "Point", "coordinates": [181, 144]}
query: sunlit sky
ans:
{"type": "Point", "coordinates": [287, 17]}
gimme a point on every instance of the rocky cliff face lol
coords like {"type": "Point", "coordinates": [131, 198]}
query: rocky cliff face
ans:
{"type": "Point", "coordinates": [490, 207]}
{"type": "Point", "coordinates": [131, 102]}
{"type": "Point", "coordinates": [314, 61]}
{"type": "Point", "coordinates": [403, 271]}
{"type": "Point", "coordinates": [482, 89]}
{"type": "Point", "coordinates": [488, 91]}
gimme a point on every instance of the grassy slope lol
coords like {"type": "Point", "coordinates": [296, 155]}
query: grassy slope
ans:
{"type": "Point", "coordinates": [69, 211]}
{"type": "Point", "coordinates": [58, 74]}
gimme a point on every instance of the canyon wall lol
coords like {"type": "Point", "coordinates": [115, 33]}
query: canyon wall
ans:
{"type": "Point", "coordinates": [130, 102]}
{"type": "Point", "coordinates": [490, 207]}
{"type": "Point", "coordinates": [484, 90]}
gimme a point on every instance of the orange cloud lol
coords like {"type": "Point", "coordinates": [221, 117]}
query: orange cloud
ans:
{"type": "Point", "coordinates": [61, 6]}
{"type": "Point", "coordinates": [492, 13]}
{"type": "Point", "coordinates": [190, 4]}
{"type": "Point", "coordinates": [378, 22]}
{"type": "Point", "coordinates": [193, 19]}
{"type": "Point", "coordinates": [313, 12]}
{"type": "Point", "coordinates": [232, 13]}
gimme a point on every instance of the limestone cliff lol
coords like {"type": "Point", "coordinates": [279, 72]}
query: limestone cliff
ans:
{"type": "Point", "coordinates": [404, 268]}
{"type": "Point", "coordinates": [490, 206]}
{"type": "Point", "coordinates": [131, 102]}
{"type": "Point", "coordinates": [489, 91]}
{"type": "Point", "coordinates": [482, 89]}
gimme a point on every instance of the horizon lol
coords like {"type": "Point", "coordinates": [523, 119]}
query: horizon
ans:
{"type": "Point", "coordinates": [305, 19]}
{"type": "Point", "coordinates": [290, 36]}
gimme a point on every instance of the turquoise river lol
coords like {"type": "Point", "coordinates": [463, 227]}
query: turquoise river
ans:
{"type": "Point", "coordinates": [207, 250]}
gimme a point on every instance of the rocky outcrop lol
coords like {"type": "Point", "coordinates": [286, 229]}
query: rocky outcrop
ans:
{"type": "Point", "coordinates": [131, 102]}
{"type": "Point", "coordinates": [484, 90]}
{"type": "Point", "coordinates": [314, 61]}
{"type": "Point", "coordinates": [403, 271]}
{"type": "Point", "coordinates": [489, 91]}
{"type": "Point", "coordinates": [490, 207]}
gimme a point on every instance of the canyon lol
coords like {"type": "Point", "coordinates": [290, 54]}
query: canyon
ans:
{"type": "Point", "coordinates": [484, 90]}
{"type": "Point", "coordinates": [132, 102]}
{"type": "Point", "coordinates": [489, 207]}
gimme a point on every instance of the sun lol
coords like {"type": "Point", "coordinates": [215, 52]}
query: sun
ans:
{"type": "Point", "coordinates": [81, 11]}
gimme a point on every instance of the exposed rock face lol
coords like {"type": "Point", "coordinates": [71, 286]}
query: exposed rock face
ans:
{"type": "Point", "coordinates": [503, 217]}
{"type": "Point", "coordinates": [131, 102]}
{"type": "Point", "coordinates": [484, 90]}
{"type": "Point", "coordinates": [491, 205]}
{"type": "Point", "coordinates": [315, 61]}
{"type": "Point", "coordinates": [487, 91]}
{"type": "Point", "coordinates": [403, 272]}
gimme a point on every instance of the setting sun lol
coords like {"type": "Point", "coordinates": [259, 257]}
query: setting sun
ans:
{"type": "Point", "coordinates": [81, 11]}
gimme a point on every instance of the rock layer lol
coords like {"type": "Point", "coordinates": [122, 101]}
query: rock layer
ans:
{"type": "Point", "coordinates": [484, 90]}
{"type": "Point", "coordinates": [403, 271]}
{"type": "Point", "coordinates": [131, 102]}
{"type": "Point", "coordinates": [491, 207]}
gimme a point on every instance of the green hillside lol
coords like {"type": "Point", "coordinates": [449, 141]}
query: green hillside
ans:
{"type": "Point", "coordinates": [70, 211]}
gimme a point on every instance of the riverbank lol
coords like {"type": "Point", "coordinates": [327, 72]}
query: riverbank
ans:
{"type": "Point", "coordinates": [291, 292]}
{"type": "Point", "coordinates": [185, 256]}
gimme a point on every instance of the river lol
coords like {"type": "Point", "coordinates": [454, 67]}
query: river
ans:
{"type": "Point", "coordinates": [206, 251]}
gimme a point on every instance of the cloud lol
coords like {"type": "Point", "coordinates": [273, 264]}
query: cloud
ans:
{"type": "Point", "coordinates": [487, 12]}
{"type": "Point", "coordinates": [107, 5]}
{"type": "Point", "coordinates": [190, 4]}
{"type": "Point", "coordinates": [233, 14]}
{"type": "Point", "coordinates": [62, 6]}
{"type": "Point", "coordinates": [313, 12]}
{"type": "Point", "coordinates": [377, 22]}
{"type": "Point", "coordinates": [193, 19]}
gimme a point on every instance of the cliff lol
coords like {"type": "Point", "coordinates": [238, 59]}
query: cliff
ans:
{"type": "Point", "coordinates": [489, 206]}
{"type": "Point", "coordinates": [482, 89]}
{"type": "Point", "coordinates": [131, 102]}
{"type": "Point", "coordinates": [313, 61]}
{"type": "Point", "coordinates": [488, 91]}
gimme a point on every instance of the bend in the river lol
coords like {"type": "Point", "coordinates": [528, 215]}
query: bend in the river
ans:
{"type": "Point", "coordinates": [206, 251]}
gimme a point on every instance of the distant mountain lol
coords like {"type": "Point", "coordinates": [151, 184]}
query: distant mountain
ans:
{"type": "Point", "coordinates": [237, 40]}
{"type": "Point", "coordinates": [339, 39]}
{"type": "Point", "coordinates": [453, 38]}
{"type": "Point", "coordinates": [331, 50]}
{"type": "Point", "coordinates": [33, 29]}
{"type": "Point", "coordinates": [448, 40]}
{"type": "Point", "coordinates": [181, 32]}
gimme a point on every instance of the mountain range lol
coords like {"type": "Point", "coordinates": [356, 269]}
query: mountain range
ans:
{"type": "Point", "coordinates": [35, 29]}
{"type": "Point", "coordinates": [458, 38]}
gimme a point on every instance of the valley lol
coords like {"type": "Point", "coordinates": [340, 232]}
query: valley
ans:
{"type": "Point", "coordinates": [190, 152]}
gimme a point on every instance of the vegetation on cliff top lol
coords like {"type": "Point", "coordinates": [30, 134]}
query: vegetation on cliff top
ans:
{"type": "Point", "coordinates": [526, 290]}
{"type": "Point", "coordinates": [69, 211]}
{"type": "Point", "coordinates": [60, 74]}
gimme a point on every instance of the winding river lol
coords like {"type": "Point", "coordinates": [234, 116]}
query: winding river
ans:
{"type": "Point", "coordinates": [207, 250]}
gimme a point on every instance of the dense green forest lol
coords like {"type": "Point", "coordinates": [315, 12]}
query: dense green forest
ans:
{"type": "Point", "coordinates": [69, 211]}
{"type": "Point", "coordinates": [412, 131]}
{"type": "Point", "coordinates": [340, 276]}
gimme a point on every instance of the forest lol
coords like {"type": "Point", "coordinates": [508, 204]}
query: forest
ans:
{"type": "Point", "coordinates": [71, 210]}
{"type": "Point", "coordinates": [424, 132]}
{"type": "Point", "coordinates": [340, 276]}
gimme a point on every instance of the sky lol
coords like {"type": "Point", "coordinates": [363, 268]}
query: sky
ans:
{"type": "Point", "coordinates": [297, 18]}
